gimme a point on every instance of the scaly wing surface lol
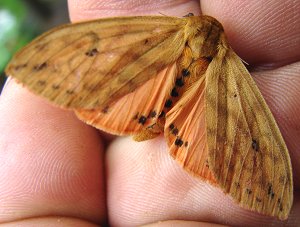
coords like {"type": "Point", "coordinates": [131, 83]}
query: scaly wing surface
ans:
{"type": "Point", "coordinates": [185, 131]}
{"type": "Point", "coordinates": [90, 64]}
{"type": "Point", "coordinates": [247, 153]}
{"type": "Point", "coordinates": [135, 111]}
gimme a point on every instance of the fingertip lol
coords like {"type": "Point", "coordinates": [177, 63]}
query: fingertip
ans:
{"type": "Point", "coordinates": [182, 223]}
{"type": "Point", "coordinates": [260, 32]}
{"type": "Point", "coordinates": [93, 9]}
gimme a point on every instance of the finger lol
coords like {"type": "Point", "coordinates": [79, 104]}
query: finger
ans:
{"type": "Point", "coordinates": [51, 163]}
{"type": "Point", "coordinates": [178, 223]}
{"type": "Point", "coordinates": [262, 32]}
{"type": "Point", "coordinates": [91, 9]}
{"type": "Point", "coordinates": [146, 185]}
{"type": "Point", "coordinates": [51, 221]}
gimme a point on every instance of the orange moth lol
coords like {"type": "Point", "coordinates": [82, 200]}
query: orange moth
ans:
{"type": "Point", "coordinates": [148, 75]}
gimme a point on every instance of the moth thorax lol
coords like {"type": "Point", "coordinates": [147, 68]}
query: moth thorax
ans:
{"type": "Point", "coordinates": [206, 38]}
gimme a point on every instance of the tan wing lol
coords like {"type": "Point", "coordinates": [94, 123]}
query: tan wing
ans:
{"type": "Point", "coordinates": [90, 64]}
{"type": "Point", "coordinates": [186, 134]}
{"type": "Point", "coordinates": [136, 111]}
{"type": "Point", "coordinates": [247, 153]}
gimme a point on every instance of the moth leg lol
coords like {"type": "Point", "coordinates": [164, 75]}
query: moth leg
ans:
{"type": "Point", "coordinates": [149, 132]}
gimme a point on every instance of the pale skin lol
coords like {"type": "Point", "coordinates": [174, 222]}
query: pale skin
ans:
{"type": "Point", "coordinates": [57, 171]}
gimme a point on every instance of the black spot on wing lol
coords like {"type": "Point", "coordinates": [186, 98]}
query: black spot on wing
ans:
{"type": "Point", "coordinates": [206, 163]}
{"type": "Point", "coordinates": [41, 82]}
{"type": "Point", "coordinates": [168, 103]}
{"type": "Point", "coordinates": [237, 184]}
{"type": "Point", "coordinates": [248, 191]}
{"type": "Point", "coordinates": [152, 114]}
{"type": "Point", "coordinates": [92, 52]}
{"type": "Point", "coordinates": [142, 120]}
{"type": "Point", "coordinates": [55, 86]}
{"type": "Point", "coordinates": [259, 200]}
{"type": "Point", "coordinates": [209, 59]}
{"type": "Point", "coordinates": [40, 66]}
{"type": "Point", "coordinates": [135, 117]}
{"type": "Point", "coordinates": [21, 66]}
{"type": "Point", "coordinates": [175, 131]}
{"type": "Point", "coordinates": [255, 145]}
{"type": "Point", "coordinates": [70, 92]}
{"type": "Point", "coordinates": [281, 207]}
{"type": "Point", "coordinates": [162, 114]}
{"type": "Point", "coordinates": [185, 72]}
{"type": "Point", "coordinates": [105, 110]}
{"type": "Point", "coordinates": [178, 142]}
{"type": "Point", "coordinates": [179, 82]}
{"type": "Point", "coordinates": [174, 92]}
{"type": "Point", "coordinates": [270, 191]}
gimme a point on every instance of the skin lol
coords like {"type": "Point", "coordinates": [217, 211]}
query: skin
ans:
{"type": "Point", "coordinates": [56, 170]}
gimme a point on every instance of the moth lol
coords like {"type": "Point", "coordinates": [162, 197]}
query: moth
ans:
{"type": "Point", "coordinates": [148, 75]}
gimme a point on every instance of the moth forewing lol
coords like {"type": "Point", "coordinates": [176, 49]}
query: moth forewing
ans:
{"type": "Point", "coordinates": [89, 64]}
{"type": "Point", "coordinates": [247, 153]}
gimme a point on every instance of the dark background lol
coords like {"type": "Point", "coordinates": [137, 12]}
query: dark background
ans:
{"type": "Point", "coordinates": [23, 20]}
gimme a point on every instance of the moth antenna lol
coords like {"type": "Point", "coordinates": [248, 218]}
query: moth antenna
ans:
{"type": "Point", "coordinates": [244, 61]}
{"type": "Point", "coordinates": [163, 14]}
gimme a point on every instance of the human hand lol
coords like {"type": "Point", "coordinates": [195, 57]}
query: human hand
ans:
{"type": "Point", "coordinates": [56, 170]}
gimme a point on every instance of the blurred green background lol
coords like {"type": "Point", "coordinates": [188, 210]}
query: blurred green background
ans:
{"type": "Point", "coordinates": [23, 20]}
